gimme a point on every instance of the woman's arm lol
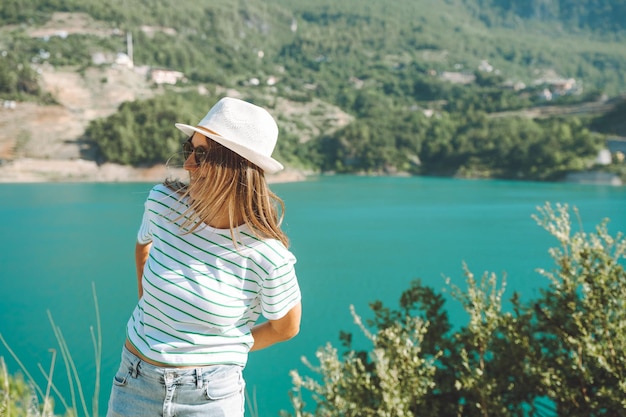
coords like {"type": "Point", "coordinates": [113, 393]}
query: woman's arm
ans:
{"type": "Point", "coordinates": [141, 256]}
{"type": "Point", "coordinates": [274, 331]}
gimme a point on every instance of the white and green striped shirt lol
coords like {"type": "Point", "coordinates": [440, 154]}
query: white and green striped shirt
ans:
{"type": "Point", "coordinates": [202, 293]}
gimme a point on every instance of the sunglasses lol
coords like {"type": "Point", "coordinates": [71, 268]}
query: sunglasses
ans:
{"type": "Point", "coordinates": [201, 153]}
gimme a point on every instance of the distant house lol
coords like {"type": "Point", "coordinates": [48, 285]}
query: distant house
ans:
{"type": "Point", "coordinates": [99, 58]}
{"type": "Point", "coordinates": [457, 77]}
{"type": "Point", "coordinates": [123, 60]}
{"type": "Point", "coordinates": [161, 76]}
{"type": "Point", "coordinates": [514, 85]}
{"type": "Point", "coordinates": [484, 66]}
{"type": "Point", "coordinates": [545, 94]}
{"type": "Point", "coordinates": [604, 157]}
{"type": "Point", "coordinates": [558, 87]}
{"type": "Point", "coordinates": [120, 59]}
{"type": "Point", "coordinates": [563, 87]}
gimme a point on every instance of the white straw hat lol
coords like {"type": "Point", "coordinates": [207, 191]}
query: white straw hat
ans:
{"type": "Point", "coordinates": [242, 127]}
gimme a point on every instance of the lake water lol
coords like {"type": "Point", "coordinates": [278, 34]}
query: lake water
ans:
{"type": "Point", "coordinates": [357, 239]}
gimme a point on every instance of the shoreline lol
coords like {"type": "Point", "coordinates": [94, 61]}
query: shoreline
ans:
{"type": "Point", "coordinates": [34, 170]}
{"type": "Point", "coordinates": [37, 170]}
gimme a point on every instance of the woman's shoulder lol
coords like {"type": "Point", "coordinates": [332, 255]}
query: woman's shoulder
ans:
{"type": "Point", "coordinates": [164, 194]}
{"type": "Point", "coordinates": [161, 188]}
{"type": "Point", "coordinates": [269, 249]}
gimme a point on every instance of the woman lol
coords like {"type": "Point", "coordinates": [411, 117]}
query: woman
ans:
{"type": "Point", "coordinates": [211, 258]}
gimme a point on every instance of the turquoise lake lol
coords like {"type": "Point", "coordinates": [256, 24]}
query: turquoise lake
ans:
{"type": "Point", "coordinates": [357, 239]}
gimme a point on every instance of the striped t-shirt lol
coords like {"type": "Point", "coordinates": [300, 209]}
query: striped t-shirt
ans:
{"type": "Point", "coordinates": [202, 293]}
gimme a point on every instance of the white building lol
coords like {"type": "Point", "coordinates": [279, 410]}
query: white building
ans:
{"type": "Point", "coordinates": [161, 76]}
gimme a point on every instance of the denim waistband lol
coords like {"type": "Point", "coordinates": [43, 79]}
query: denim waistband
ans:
{"type": "Point", "coordinates": [179, 376]}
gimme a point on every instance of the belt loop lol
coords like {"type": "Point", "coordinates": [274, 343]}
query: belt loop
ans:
{"type": "Point", "coordinates": [199, 378]}
{"type": "Point", "coordinates": [134, 368]}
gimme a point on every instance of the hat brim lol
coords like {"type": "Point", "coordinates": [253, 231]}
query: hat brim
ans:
{"type": "Point", "coordinates": [266, 163]}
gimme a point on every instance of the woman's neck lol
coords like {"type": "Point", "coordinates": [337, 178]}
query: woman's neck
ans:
{"type": "Point", "coordinates": [221, 220]}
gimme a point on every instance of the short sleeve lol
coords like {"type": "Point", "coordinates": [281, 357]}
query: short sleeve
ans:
{"type": "Point", "coordinates": [280, 292]}
{"type": "Point", "coordinates": [144, 235]}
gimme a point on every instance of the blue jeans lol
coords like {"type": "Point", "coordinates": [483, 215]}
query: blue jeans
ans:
{"type": "Point", "coordinates": [141, 389]}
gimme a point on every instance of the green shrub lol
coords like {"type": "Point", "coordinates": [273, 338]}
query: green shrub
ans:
{"type": "Point", "coordinates": [559, 354]}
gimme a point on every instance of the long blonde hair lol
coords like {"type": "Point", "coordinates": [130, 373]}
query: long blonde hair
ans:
{"type": "Point", "coordinates": [228, 182]}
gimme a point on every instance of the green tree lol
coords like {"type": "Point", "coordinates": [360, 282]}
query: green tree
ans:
{"type": "Point", "coordinates": [142, 132]}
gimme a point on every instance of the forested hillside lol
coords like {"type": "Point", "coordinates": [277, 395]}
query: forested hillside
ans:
{"type": "Point", "coordinates": [598, 16]}
{"type": "Point", "coordinates": [423, 79]}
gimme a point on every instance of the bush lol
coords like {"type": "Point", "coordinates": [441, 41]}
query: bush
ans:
{"type": "Point", "coordinates": [560, 354]}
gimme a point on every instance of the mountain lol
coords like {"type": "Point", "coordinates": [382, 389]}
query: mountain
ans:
{"type": "Point", "coordinates": [597, 16]}
{"type": "Point", "coordinates": [378, 62]}
{"type": "Point", "coordinates": [221, 42]}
